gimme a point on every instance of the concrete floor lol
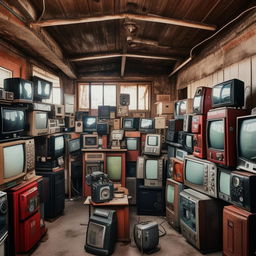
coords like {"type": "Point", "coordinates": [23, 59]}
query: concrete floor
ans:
{"type": "Point", "coordinates": [66, 236]}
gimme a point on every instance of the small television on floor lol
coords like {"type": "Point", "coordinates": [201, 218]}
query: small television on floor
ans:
{"type": "Point", "coordinates": [90, 140]}
{"type": "Point", "coordinates": [228, 94]}
{"type": "Point", "coordinates": [42, 88]}
{"type": "Point", "coordinates": [22, 89]}
{"type": "Point", "coordinates": [246, 148]}
{"type": "Point", "coordinates": [38, 123]}
{"type": "Point", "coordinates": [130, 124]}
{"type": "Point", "coordinates": [153, 144]}
{"type": "Point", "coordinates": [147, 125]}
{"type": "Point", "coordinates": [101, 234]}
{"type": "Point", "coordinates": [12, 121]}
{"type": "Point", "coordinates": [90, 123]}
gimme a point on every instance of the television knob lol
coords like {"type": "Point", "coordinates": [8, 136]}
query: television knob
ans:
{"type": "Point", "coordinates": [241, 199]}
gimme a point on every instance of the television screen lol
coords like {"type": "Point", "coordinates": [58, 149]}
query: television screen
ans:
{"type": "Point", "coordinates": [90, 123]}
{"type": "Point", "coordinates": [97, 235]}
{"type": "Point", "coordinates": [127, 123]}
{"type": "Point", "coordinates": [151, 170]}
{"type": "Point", "coordinates": [59, 143]}
{"type": "Point", "coordinates": [247, 134]}
{"type": "Point", "coordinates": [197, 102]}
{"type": "Point", "coordinates": [26, 90]}
{"type": "Point", "coordinates": [194, 172]}
{"type": "Point", "coordinates": [41, 120]}
{"type": "Point", "coordinates": [216, 134]}
{"type": "Point", "coordinates": [43, 88]}
{"type": "Point", "coordinates": [224, 183]}
{"type": "Point", "coordinates": [188, 212]}
{"type": "Point", "coordinates": [189, 140]}
{"type": "Point", "coordinates": [132, 143]}
{"type": "Point", "coordinates": [11, 167]}
{"type": "Point", "coordinates": [152, 141]}
{"type": "Point", "coordinates": [221, 93]}
{"type": "Point", "coordinates": [183, 108]}
{"type": "Point", "coordinates": [114, 167]}
{"type": "Point", "coordinates": [74, 145]}
{"type": "Point", "coordinates": [13, 120]}
{"type": "Point", "coordinates": [170, 194]}
{"type": "Point", "coordinates": [90, 141]}
{"type": "Point", "coordinates": [146, 124]}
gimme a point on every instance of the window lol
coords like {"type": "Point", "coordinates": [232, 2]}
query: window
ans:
{"type": "Point", "coordinates": [56, 95]}
{"type": "Point", "coordinates": [4, 73]}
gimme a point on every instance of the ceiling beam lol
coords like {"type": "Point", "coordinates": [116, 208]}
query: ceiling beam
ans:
{"type": "Point", "coordinates": [147, 18]}
{"type": "Point", "coordinates": [116, 55]}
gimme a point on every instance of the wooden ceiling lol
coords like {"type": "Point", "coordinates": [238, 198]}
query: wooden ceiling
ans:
{"type": "Point", "coordinates": [82, 40]}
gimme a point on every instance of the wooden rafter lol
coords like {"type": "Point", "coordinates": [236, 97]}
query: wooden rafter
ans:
{"type": "Point", "coordinates": [147, 18]}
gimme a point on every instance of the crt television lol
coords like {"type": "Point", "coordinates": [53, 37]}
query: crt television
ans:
{"type": "Point", "coordinates": [224, 184]}
{"type": "Point", "coordinates": [130, 124]}
{"type": "Point", "coordinates": [104, 112]}
{"type": "Point", "coordinates": [12, 163]}
{"type": "Point", "coordinates": [90, 123]}
{"type": "Point", "coordinates": [115, 167]}
{"type": "Point", "coordinates": [197, 223]}
{"type": "Point", "coordinates": [12, 121]}
{"type": "Point", "coordinates": [90, 140]}
{"type": "Point", "coordinates": [38, 123]}
{"type": "Point", "coordinates": [221, 135]}
{"type": "Point", "coordinates": [183, 107]}
{"type": "Point", "coordinates": [74, 145]}
{"type": "Point", "coordinates": [147, 125]}
{"type": "Point", "coordinates": [200, 175]}
{"type": "Point", "coordinates": [246, 148]}
{"type": "Point", "coordinates": [172, 196]}
{"type": "Point", "coordinates": [22, 89]}
{"type": "Point", "coordinates": [177, 169]}
{"type": "Point", "coordinates": [42, 88]}
{"type": "Point", "coordinates": [132, 144]}
{"type": "Point", "coordinates": [153, 144]}
{"type": "Point", "coordinates": [202, 102]}
{"type": "Point", "coordinates": [188, 142]}
{"type": "Point", "coordinates": [228, 94]}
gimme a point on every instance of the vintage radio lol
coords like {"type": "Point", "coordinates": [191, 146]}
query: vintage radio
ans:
{"type": "Point", "coordinates": [199, 130]}
{"type": "Point", "coordinates": [3, 216]}
{"type": "Point", "coordinates": [197, 223]}
{"type": "Point", "coordinates": [131, 185]}
{"type": "Point", "coordinates": [177, 170]}
{"type": "Point", "coordinates": [124, 99]}
{"type": "Point", "coordinates": [78, 126]}
{"type": "Point", "coordinates": [102, 192]}
{"type": "Point", "coordinates": [58, 111]}
{"type": "Point", "coordinates": [187, 123]}
{"type": "Point", "coordinates": [160, 122]}
{"type": "Point", "coordinates": [200, 175]}
{"type": "Point", "coordinates": [122, 111]}
{"type": "Point", "coordinates": [172, 196]}
{"type": "Point", "coordinates": [242, 190]}
{"type": "Point", "coordinates": [202, 102]}
{"type": "Point", "coordinates": [221, 135]}
{"type": "Point", "coordinates": [239, 234]}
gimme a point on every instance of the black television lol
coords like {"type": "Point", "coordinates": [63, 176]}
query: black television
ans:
{"type": "Point", "coordinates": [42, 88]}
{"type": "Point", "coordinates": [74, 145]}
{"type": "Point", "coordinates": [228, 94]}
{"type": "Point", "coordinates": [56, 146]}
{"type": "Point", "coordinates": [102, 128]}
{"type": "Point", "coordinates": [104, 112]}
{"type": "Point", "coordinates": [131, 124]}
{"type": "Point", "coordinates": [90, 123]}
{"type": "Point", "coordinates": [147, 125]}
{"type": "Point", "coordinates": [12, 121]}
{"type": "Point", "coordinates": [188, 142]}
{"type": "Point", "coordinates": [22, 89]}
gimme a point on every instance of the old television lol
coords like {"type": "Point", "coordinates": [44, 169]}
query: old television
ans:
{"type": "Point", "coordinates": [38, 123]}
{"type": "Point", "coordinates": [50, 147]}
{"type": "Point", "coordinates": [102, 128]}
{"type": "Point", "coordinates": [132, 144]}
{"type": "Point", "coordinates": [202, 102]}
{"type": "Point", "coordinates": [104, 112]}
{"type": "Point", "coordinates": [246, 148]}
{"type": "Point", "coordinates": [221, 135]}
{"type": "Point", "coordinates": [172, 196]}
{"type": "Point", "coordinates": [12, 121]}
{"type": "Point", "coordinates": [58, 111]}
{"type": "Point", "coordinates": [115, 167]}
{"type": "Point", "coordinates": [188, 142]}
{"type": "Point", "coordinates": [22, 89]}
{"type": "Point", "coordinates": [224, 178]}
{"type": "Point", "coordinates": [242, 189]}
{"type": "Point", "coordinates": [171, 152]}
{"type": "Point", "coordinates": [101, 233]}
{"type": "Point", "coordinates": [228, 94]}
{"type": "Point", "coordinates": [197, 223]}
{"type": "Point", "coordinates": [73, 145]}
{"type": "Point", "coordinates": [180, 154]}
{"type": "Point", "coordinates": [12, 163]}
{"type": "Point", "coordinates": [174, 126]}
{"type": "Point", "coordinates": [42, 88]}
{"type": "Point", "coordinates": [199, 131]}
{"type": "Point", "coordinates": [151, 201]}
{"type": "Point", "coordinates": [200, 175]}
{"type": "Point", "coordinates": [130, 124]}
{"type": "Point", "coordinates": [153, 144]}
{"type": "Point", "coordinates": [90, 140]}
{"type": "Point", "coordinates": [183, 107]}
{"type": "Point", "coordinates": [90, 123]}
{"type": "Point", "coordinates": [177, 169]}
{"type": "Point", "coordinates": [187, 122]}
{"type": "Point", "coordinates": [147, 125]}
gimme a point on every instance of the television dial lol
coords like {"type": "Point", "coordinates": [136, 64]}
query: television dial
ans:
{"type": "Point", "coordinates": [236, 181]}
{"type": "Point", "coordinates": [241, 199]}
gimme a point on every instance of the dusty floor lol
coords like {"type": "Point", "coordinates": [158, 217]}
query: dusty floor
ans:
{"type": "Point", "coordinates": [66, 237]}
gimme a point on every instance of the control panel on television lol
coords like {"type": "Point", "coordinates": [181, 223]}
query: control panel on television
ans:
{"type": "Point", "coordinates": [153, 144]}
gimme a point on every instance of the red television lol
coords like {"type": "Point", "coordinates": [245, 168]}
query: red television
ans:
{"type": "Point", "coordinates": [178, 173]}
{"type": "Point", "coordinates": [221, 135]}
{"type": "Point", "coordinates": [199, 130]}
{"type": "Point", "coordinates": [202, 102]}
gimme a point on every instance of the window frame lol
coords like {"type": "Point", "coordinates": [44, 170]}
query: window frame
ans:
{"type": "Point", "coordinates": [8, 71]}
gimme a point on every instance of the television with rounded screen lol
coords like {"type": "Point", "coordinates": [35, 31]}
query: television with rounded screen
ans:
{"type": "Point", "coordinates": [216, 134]}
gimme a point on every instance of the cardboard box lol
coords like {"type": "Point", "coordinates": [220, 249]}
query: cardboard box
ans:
{"type": "Point", "coordinates": [122, 111]}
{"type": "Point", "coordinates": [163, 97]}
{"type": "Point", "coordinates": [117, 124]}
{"type": "Point", "coordinates": [160, 122]}
{"type": "Point", "coordinates": [164, 107]}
